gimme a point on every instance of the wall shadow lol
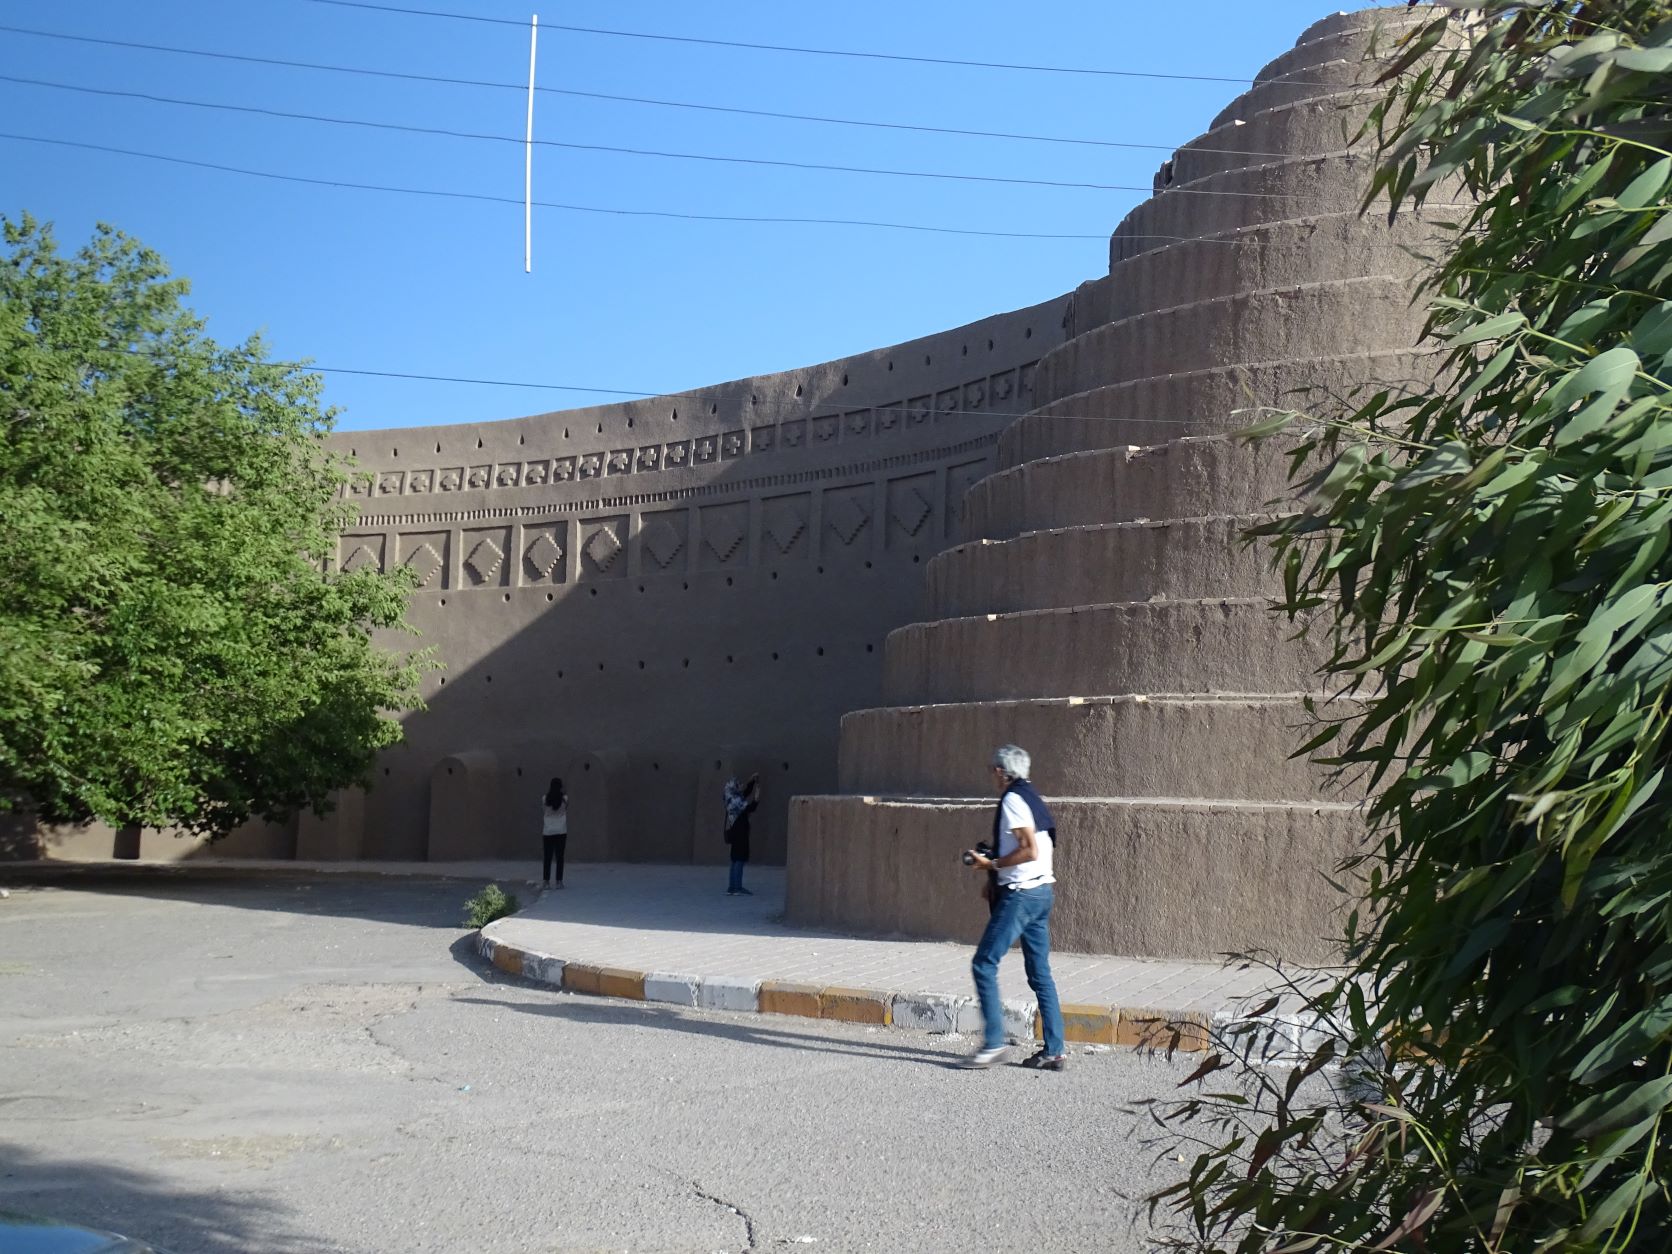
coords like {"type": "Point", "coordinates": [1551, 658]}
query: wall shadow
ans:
{"type": "Point", "coordinates": [144, 1206]}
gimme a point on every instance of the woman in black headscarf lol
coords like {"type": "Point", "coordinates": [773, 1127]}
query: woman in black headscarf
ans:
{"type": "Point", "coordinates": [554, 829]}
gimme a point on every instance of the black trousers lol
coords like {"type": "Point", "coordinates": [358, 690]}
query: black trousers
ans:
{"type": "Point", "coordinates": [554, 847]}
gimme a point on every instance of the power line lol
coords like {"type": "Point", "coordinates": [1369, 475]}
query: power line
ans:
{"type": "Point", "coordinates": [597, 95]}
{"type": "Point", "coordinates": [545, 204]}
{"type": "Point", "coordinates": [580, 147]}
{"type": "Point", "coordinates": [805, 51]}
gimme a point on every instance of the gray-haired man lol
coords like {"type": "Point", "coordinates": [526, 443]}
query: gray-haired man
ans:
{"type": "Point", "coordinates": [1024, 840]}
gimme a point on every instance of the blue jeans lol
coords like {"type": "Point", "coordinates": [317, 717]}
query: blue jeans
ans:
{"type": "Point", "coordinates": [1023, 913]}
{"type": "Point", "coordinates": [736, 875]}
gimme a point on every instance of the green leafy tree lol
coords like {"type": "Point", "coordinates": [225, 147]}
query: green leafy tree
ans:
{"type": "Point", "coordinates": [171, 650]}
{"type": "Point", "coordinates": [1491, 561]}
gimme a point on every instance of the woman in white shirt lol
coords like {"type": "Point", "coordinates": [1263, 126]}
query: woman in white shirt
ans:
{"type": "Point", "coordinates": [554, 830]}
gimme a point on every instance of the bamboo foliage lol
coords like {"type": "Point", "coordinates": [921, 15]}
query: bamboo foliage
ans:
{"type": "Point", "coordinates": [1491, 563]}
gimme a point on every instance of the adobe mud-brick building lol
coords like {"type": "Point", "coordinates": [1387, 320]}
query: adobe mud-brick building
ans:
{"type": "Point", "coordinates": [859, 577]}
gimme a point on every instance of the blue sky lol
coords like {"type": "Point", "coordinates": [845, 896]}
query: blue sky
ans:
{"type": "Point", "coordinates": [428, 285]}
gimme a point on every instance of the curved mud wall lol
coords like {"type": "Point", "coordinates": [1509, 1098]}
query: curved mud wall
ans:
{"type": "Point", "coordinates": [643, 597]}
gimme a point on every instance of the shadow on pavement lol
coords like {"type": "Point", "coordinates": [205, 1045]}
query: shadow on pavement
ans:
{"type": "Point", "coordinates": [575, 1009]}
{"type": "Point", "coordinates": [144, 1207]}
{"type": "Point", "coordinates": [407, 900]}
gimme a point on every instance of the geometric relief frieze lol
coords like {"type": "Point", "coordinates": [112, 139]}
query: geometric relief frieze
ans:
{"type": "Point", "coordinates": [603, 544]}
{"type": "Point", "coordinates": [975, 394]}
{"type": "Point", "coordinates": [535, 473]}
{"type": "Point", "coordinates": [451, 479]}
{"type": "Point", "coordinates": [725, 535]}
{"type": "Point", "coordinates": [563, 470]}
{"type": "Point", "coordinates": [662, 539]}
{"type": "Point", "coordinates": [1024, 381]}
{"type": "Point", "coordinates": [858, 423]}
{"type": "Point", "coordinates": [705, 448]}
{"type": "Point", "coordinates": [507, 474]}
{"type": "Point", "coordinates": [362, 553]}
{"type": "Point", "coordinates": [479, 477]}
{"type": "Point", "coordinates": [826, 428]}
{"type": "Point", "coordinates": [390, 482]}
{"type": "Point", "coordinates": [543, 551]}
{"type": "Point", "coordinates": [421, 481]}
{"type": "Point", "coordinates": [847, 514]}
{"type": "Point", "coordinates": [793, 434]}
{"type": "Point", "coordinates": [484, 550]}
{"type": "Point", "coordinates": [677, 454]}
{"type": "Point", "coordinates": [762, 439]}
{"type": "Point", "coordinates": [959, 480]}
{"type": "Point", "coordinates": [591, 465]}
{"type": "Point", "coordinates": [947, 403]}
{"type": "Point", "coordinates": [425, 555]}
{"type": "Point", "coordinates": [619, 462]}
{"type": "Point", "coordinates": [911, 503]}
{"type": "Point", "coordinates": [732, 444]}
{"type": "Point", "coordinates": [649, 458]}
{"type": "Point", "coordinates": [784, 522]}
{"type": "Point", "coordinates": [1002, 387]}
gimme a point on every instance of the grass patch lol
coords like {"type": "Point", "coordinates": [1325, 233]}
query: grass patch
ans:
{"type": "Point", "coordinates": [493, 902]}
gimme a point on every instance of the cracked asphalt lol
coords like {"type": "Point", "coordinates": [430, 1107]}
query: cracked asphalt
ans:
{"type": "Point", "coordinates": [323, 1064]}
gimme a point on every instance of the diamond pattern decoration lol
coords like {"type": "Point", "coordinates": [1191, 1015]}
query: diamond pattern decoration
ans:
{"type": "Point", "coordinates": [847, 519]}
{"type": "Point", "coordinates": [784, 525]}
{"type": "Point", "coordinates": [722, 535]}
{"type": "Point", "coordinates": [361, 558]}
{"type": "Point", "coordinates": [484, 560]}
{"type": "Point", "coordinates": [603, 546]}
{"type": "Point", "coordinates": [544, 555]}
{"type": "Point", "coordinates": [424, 562]}
{"type": "Point", "coordinates": [911, 510]}
{"type": "Point", "coordinates": [662, 541]}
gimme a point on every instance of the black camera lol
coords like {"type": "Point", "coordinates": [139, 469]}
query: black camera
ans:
{"type": "Point", "coordinates": [984, 849]}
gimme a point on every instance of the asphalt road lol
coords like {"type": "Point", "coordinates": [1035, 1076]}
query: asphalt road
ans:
{"type": "Point", "coordinates": [325, 1065]}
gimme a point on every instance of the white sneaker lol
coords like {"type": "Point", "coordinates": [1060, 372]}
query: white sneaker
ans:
{"type": "Point", "coordinates": [984, 1058]}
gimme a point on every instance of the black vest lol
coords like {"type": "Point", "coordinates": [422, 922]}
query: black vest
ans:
{"type": "Point", "coordinates": [1042, 820]}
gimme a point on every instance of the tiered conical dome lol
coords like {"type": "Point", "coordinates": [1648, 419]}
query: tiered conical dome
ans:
{"type": "Point", "coordinates": [1102, 611]}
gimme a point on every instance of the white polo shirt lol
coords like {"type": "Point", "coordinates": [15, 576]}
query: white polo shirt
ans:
{"type": "Point", "coordinates": [1016, 813]}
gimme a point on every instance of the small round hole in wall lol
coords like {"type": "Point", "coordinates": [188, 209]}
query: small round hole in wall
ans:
{"type": "Point", "coordinates": [641, 664]}
{"type": "Point", "coordinates": [600, 428]}
{"type": "Point", "coordinates": [798, 389]}
{"type": "Point", "coordinates": [989, 346]}
{"type": "Point", "coordinates": [629, 422]}
{"type": "Point", "coordinates": [586, 766]}
{"type": "Point", "coordinates": [550, 596]}
{"type": "Point", "coordinates": [686, 663]}
{"type": "Point", "coordinates": [774, 657]}
{"type": "Point", "coordinates": [489, 678]}
{"type": "Point", "coordinates": [521, 439]}
{"type": "Point", "coordinates": [754, 400]}
{"type": "Point", "coordinates": [785, 765]}
{"type": "Point", "coordinates": [728, 659]}
{"type": "Point", "coordinates": [820, 650]}
{"type": "Point", "coordinates": [867, 565]}
{"type": "Point", "coordinates": [600, 666]}
{"type": "Point", "coordinates": [352, 453]}
{"type": "Point", "coordinates": [560, 674]}
{"type": "Point", "coordinates": [717, 765]}
{"type": "Point", "coordinates": [891, 366]}
{"type": "Point", "coordinates": [565, 434]}
{"type": "Point", "coordinates": [444, 679]}
{"type": "Point", "coordinates": [928, 360]}
{"type": "Point", "coordinates": [655, 766]}
{"type": "Point", "coordinates": [821, 570]}
{"type": "Point", "coordinates": [385, 770]}
{"type": "Point", "coordinates": [443, 600]}
{"type": "Point", "coordinates": [478, 442]}
{"type": "Point", "coordinates": [713, 409]}
{"type": "Point", "coordinates": [1027, 334]}
{"type": "Point", "coordinates": [449, 770]}
{"type": "Point", "coordinates": [641, 587]}
{"type": "Point", "coordinates": [915, 559]}
{"type": "Point", "coordinates": [519, 772]}
{"type": "Point", "coordinates": [507, 596]}
{"type": "Point", "coordinates": [685, 585]}
{"type": "Point", "coordinates": [844, 380]}
{"type": "Point", "coordinates": [870, 648]}
{"type": "Point", "coordinates": [966, 351]}
{"type": "Point", "coordinates": [395, 453]}
{"type": "Point", "coordinates": [438, 448]}
{"type": "Point", "coordinates": [775, 574]}
{"type": "Point", "coordinates": [593, 591]}
{"type": "Point", "coordinates": [728, 581]}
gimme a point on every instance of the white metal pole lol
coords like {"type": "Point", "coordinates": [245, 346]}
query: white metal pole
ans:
{"type": "Point", "coordinates": [528, 154]}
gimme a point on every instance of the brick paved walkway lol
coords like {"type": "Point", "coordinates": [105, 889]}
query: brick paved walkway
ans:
{"type": "Point", "coordinates": [678, 919]}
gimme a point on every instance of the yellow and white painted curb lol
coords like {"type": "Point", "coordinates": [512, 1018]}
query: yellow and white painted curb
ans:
{"type": "Point", "coordinates": [1152, 1028]}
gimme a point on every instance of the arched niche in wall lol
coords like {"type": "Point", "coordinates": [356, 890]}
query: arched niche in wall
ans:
{"type": "Point", "coordinates": [464, 807]}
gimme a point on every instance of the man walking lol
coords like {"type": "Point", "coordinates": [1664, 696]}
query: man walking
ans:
{"type": "Point", "coordinates": [1020, 897]}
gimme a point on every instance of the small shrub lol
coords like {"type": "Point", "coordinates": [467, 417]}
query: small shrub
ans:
{"type": "Point", "coordinates": [493, 902]}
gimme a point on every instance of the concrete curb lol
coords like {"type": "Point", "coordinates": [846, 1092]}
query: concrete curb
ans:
{"type": "Point", "coordinates": [1155, 1029]}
